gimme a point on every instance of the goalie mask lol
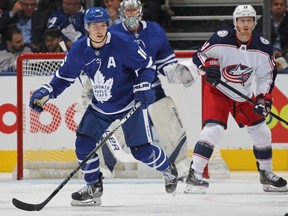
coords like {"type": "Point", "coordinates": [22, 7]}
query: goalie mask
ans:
{"type": "Point", "coordinates": [244, 11]}
{"type": "Point", "coordinates": [130, 12]}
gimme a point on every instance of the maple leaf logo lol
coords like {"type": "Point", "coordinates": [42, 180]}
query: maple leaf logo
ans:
{"type": "Point", "coordinates": [102, 88]}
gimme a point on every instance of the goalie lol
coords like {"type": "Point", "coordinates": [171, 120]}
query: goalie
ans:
{"type": "Point", "coordinates": [173, 138]}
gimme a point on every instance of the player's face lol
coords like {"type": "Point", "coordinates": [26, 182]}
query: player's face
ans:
{"type": "Point", "coordinates": [131, 11]}
{"type": "Point", "coordinates": [97, 31]}
{"type": "Point", "coordinates": [245, 25]}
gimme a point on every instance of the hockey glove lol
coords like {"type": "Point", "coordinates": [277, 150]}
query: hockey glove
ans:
{"type": "Point", "coordinates": [264, 104]}
{"type": "Point", "coordinates": [144, 94]}
{"type": "Point", "coordinates": [183, 72]}
{"type": "Point", "coordinates": [40, 97]}
{"type": "Point", "coordinates": [212, 70]}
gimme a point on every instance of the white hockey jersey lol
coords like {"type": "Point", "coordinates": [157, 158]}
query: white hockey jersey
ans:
{"type": "Point", "coordinates": [241, 65]}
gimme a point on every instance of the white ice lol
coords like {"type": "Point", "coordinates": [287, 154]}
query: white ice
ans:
{"type": "Point", "coordinates": [240, 195]}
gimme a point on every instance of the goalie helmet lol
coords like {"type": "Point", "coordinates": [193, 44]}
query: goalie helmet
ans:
{"type": "Point", "coordinates": [94, 15]}
{"type": "Point", "coordinates": [244, 11]}
{"type": "Point", "coordinates": [134, 8]}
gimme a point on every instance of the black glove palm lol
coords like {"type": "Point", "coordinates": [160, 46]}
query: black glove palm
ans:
{"type": "Point", "coordinates": [212, 70]}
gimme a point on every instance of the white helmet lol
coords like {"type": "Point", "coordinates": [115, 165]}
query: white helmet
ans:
{"type": "Point", "coordinates": [130, 22]}
{"type": "Point", "coordinates": [243, 11]}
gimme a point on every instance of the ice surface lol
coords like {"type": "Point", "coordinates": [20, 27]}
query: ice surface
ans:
{"type": "Point", "coordinates": [240, 195]}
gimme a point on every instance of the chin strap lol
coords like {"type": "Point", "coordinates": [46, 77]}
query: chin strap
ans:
{"type": "Point", "coordinates": [96, 41]}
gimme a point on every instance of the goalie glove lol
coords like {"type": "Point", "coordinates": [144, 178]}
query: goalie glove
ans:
{"type": "Point", "coordinates": [184, 72]}
{"type": "Point", "coordinates": [263, 104]}
{"type": "Point", "coordinates": [40, 97]}
{"type": "Point", "coordinates": [144, 94]}
{"type": "Point", "coordinates": [212, 70]}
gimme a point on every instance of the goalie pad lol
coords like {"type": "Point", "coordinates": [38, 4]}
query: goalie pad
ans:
{"type": "Point", "coordinates": [86, 94]}
{"type": "Point", "coordinates": [115, 151]}
{"type": "Point", "coordinates": [172, 137]}
{"type": "Point", "coordinates": [184, 72]}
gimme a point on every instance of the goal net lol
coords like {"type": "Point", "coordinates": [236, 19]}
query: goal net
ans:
{"type": "Point", "coordinates": [45, 141]}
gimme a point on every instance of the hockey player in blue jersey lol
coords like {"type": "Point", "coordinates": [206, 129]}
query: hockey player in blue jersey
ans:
{"type": "Point", "coordinates": [236, 57]}
{"type": "Point", "coordinates": [144, 34]}
{"type": "Point", "coordinates": [121, 74]}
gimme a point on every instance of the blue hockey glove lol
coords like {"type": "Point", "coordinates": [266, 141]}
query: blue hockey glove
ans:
{"type": "Point", "coordinates": [144, 94]}
{"type": "Point", "coordinates": [264, 104]}
{"type": "Point", "coordinates": [40, 97]}
{"type": "Point", "coordinates": [212, 70]}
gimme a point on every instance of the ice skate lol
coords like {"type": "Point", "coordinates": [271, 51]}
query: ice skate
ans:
{"type": "Point", "coordinates": [272, 182]}
{"type": "Point", "coordinates": [195, 183]}
{"type": "Point", "coordinates": [89, 195]}
{"type": "Point", "coordinates": [171, 179]}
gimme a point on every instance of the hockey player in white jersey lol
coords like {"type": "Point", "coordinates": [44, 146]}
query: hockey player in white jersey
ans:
{"type": "Point", "coordinates": [118, 81]}
{"type": "Point", "coordinates": [236, 57]}
{"type": "Point", "coordinates": [172, 136]}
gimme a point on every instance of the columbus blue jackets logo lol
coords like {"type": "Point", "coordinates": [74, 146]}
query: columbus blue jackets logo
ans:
{"type": "Point", "coordinates": [237, 73]}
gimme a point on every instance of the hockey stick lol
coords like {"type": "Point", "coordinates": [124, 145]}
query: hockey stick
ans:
{"type": "Point", "coordinates": [37, 207]}
{"type": "Point", "coordinates": [251, 101]}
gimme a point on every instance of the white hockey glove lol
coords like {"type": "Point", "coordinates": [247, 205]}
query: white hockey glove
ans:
{"type": "Point", "coordinates": [184, 72]}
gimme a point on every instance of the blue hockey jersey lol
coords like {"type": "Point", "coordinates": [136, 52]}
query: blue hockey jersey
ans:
{"type": "Point", "coordinates": [240, 63]}
{"type": "Point", "coordinates": [113, 70]}
{"type": "Point", "coordinates": [154, 40]}
{"type": "Point", "coordinates": [72, 27]}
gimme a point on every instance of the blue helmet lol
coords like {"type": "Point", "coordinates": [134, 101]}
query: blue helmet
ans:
{"type": "Point", "coordinates": [96, 14]}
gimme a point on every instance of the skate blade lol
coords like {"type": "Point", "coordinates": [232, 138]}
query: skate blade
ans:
{"type": "Point", "coordinates": [91, 202]}
{"type": "Point", "coordinates": [271, 188]}
{"type": "Point", "coordinates": [191, 189]}
{"type": "Point", "coordinates": [173, 193]}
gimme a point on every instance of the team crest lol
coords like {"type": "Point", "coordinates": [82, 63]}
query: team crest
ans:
{"type": "Point", "coordinates": [222, 33]}
{"type": "Point", "coordinates": [264, 41]}
{"type": "Point", "coordinates": [101, 87]}
{"type": "Point", "coordinates": [237, 73]}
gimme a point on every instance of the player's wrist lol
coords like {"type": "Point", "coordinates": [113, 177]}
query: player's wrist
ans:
{"type": "Point", "coordinates": [143, 86]}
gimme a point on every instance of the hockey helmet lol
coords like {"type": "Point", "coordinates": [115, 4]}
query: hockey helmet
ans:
{"type": "Point", "coordinates": [130, 21]}
{"type": "Point", "coordinates": [244, 11]}
{"type": "Point", "coordinates": [95, 14]}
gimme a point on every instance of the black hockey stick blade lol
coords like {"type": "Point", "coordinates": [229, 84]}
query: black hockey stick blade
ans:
{"type": "Point", "coordinates": [27, 206]}
{"type": "Point", "coordinates": [37, 207]}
